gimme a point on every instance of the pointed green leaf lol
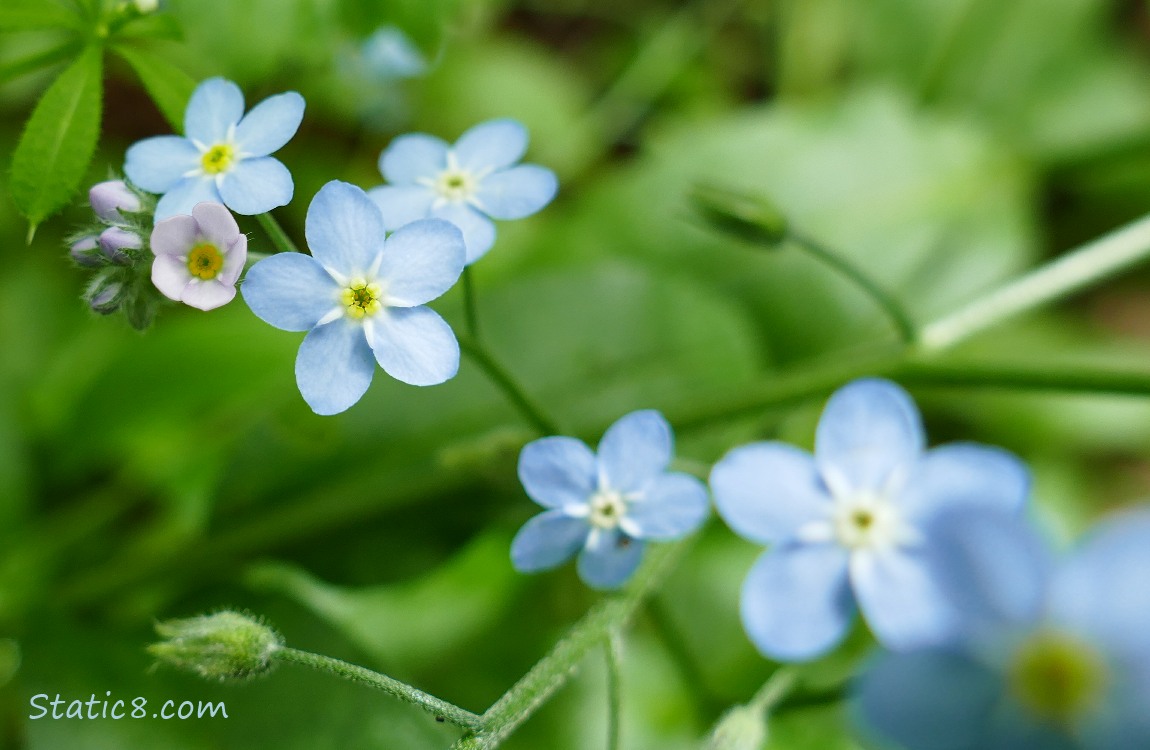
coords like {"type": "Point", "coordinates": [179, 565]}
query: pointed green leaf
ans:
{"type": "Point", "coordinates": [59, 139]}
{"type": "Point", "coordinates": [152, 26]}
{"type": "Point", "coordinates": [22, 15]}
{"type": "Point", "coordinates": [169, 87]}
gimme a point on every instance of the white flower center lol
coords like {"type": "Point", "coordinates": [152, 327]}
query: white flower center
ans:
{"type": "Point", "coordinates": [608, 508]}
{"type": "Point", "coordinates": [867, 521]}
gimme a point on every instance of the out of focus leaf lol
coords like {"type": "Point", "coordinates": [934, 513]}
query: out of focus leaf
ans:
{"type": "Point", "coordinates": [169, 86]}
{"type": "Point", "coordinates": [59, 139]}
{"type": "Point", "coordinates": [406, 624]}
{"type": "Point", "coordinates": [21, 15]}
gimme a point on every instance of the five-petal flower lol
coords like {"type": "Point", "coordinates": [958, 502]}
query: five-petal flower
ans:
{"type": "Point", "coordinates": [846, 525]}
{"type": "Point", "coordinates": [1046, 656]}
{"type": "Point", "coordinates": [604, 506]}
{"type": "Point", "coordinates": [468, 184]}
{"type": "Point", "coordinates": [224, 156]}
{"type": "Point", "coordinates": [199, 257]}
{"type": "Point", "coordinates": [361, 298]}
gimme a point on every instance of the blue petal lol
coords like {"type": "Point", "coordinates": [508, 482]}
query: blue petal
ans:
{"type": "Point", "coordinates": [672, 506]}
{"type": "Point", "coordinates": [334, 367]}
{"type": "Point", "coordinates": [928, 700]}
{"type": "Point", "coordinates": [767, 491]}
{"type": "Point", "coordinates": [868, 430]}
{"type": "Point", "coordinates": [411, 157]}
{"type": "Point", "coordinates": [402, 204]}
{"type": "Point", "coordinates": [491, 145]}
{"type": "Point", "coordinates": [478, 230]}
{"type": "Point", "coordinates": [558, 472]}
{"type": "Point", "coordinates": [270, 124]}
{"type": "Point", "coordinates": [421, 261]}
{"type": "Point", "coordinates": [1103, 590]}
{"type": "Point", "coordinates": [414, 345]}
{"type": "Point", "coordinates": [157, 164]}
{"type": "Point", "coordinates": [547, 540]}
{"type": "Point", "coordinates": [901, 599]}
{"type": "Point", "coordinates": [290, 291]}
{"type": "Point", "coordinates": [992, 566]}
{"type": "Point", "coordinates": [256, 186]}
{"type": "Point", "coordinates": [344, 229]}
{"type": "Point", "coordinates": [796, 602]}
{"type": "Point", "coordinates": [635, 450]}
{"type": "Point", "coordinates": [184, 195]}
{"type": "Point", "coordinates": [517, 192]}
{"type": "Point", "coordinates": [609, 559]}
{"type": "Point", "coordinates": [965, 474]}
{"type": "Point", "coordinates": [215, 106]}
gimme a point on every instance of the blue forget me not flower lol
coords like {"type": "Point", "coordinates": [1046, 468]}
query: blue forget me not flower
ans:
{"type": "Point", "coordinates": [223, 156]}
{"type": "Point", "coordinates": [605, 506]}
{"type": "Point", "coordinates": [468, 184]}
{"type": "Point", "coordinates": [361, 298]}
{"type": "Point", "coordinates": [846, 526]}
{"type": "Point", "coordinates": [1047, 655]}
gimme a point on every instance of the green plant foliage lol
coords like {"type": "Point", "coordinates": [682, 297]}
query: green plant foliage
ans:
{"type": "Point", "coordinates": [59, 139]}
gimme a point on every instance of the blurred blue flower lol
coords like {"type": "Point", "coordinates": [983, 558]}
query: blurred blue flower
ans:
{"type": "Point", "coordinates": [1046, 657]}
{"type": "Point", "coordinates": [468, 183]}
{"type": "Point", "coordinates": [224, 157]}
{"type": "Point", "coordinates": [846, 525]}
{"type": "Point", "coordinates": [360, 297]}
{"type": "Point", "coordinates": [390, 54]}
{"type": "Point", "coordinates": [606, 505]}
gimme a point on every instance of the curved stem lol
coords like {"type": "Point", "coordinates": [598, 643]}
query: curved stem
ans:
{"type": "Point", "coordinates": [276, 233]}
{"type": "Point", "coordinates": [440, 709]}
{"type": "Point", "coordinates": [503, 380]}
{"type": "Point", "coordinates": [1088, 264]}
{"type": "Point", "coordinates": [893, 309]}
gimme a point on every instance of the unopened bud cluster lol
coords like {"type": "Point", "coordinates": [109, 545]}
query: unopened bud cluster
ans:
{"type": "Point", "coordinates": [222, 646]}
{"type": "Point", "coordinates": [114, 248]}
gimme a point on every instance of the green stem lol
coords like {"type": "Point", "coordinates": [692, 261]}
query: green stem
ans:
{"type": "Point", "coordinates": [554, 669]}
{"type": "Point", "coordinates": [276, 233]}
{"type": "Point", "coordinates": [774, 689]}
{"type": "Point", "coordinates": [470, 304]}
{"type": "Point", "coordinates": [612, 650]}
{"type": "Point", "coordinates": [898, 316]}
{"type": "Point", "coordinates": [1077, 269]}
{"type": "Point", "coordinates": [503, 380]}
{"type": "Point", "coordinates": [440, 709]}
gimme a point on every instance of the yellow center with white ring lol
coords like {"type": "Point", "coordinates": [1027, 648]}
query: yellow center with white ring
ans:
{"type": "Point", "coordinates": [607, 509]}
{"type": "Point", "coordinates": [205, 261]}
{"type": "Point", "coordinates": [218, 159]}
{"type": "Point", "coordinates": [361, 299]}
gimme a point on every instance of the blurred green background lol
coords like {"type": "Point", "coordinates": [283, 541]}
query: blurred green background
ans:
{"type": "Point", "coordinates": [944, 145]}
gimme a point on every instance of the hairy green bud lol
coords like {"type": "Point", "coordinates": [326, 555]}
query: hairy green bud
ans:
{"type": "Point", "coordinates": [222, 646]}
{"type": "Point", "coordinates": [746, 215]}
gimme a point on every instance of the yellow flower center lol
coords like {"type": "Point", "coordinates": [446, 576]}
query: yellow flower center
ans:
{"type": "Point", "coordinates": [205, 261]}
{"type": "Point", "coordinates": [1058, 677]}
{"type": "Point", "coordinates": [361, 298]}
{"type": "Point", "coordinates": [218, 158]}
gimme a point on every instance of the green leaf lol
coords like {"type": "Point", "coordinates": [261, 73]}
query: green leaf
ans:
{"type": "Point", "coordinates": [153, 26]}
{"type": "Point", "coordinates": [24, 15]}
{"type": "Point", "coordinates": [169, 87]}
{"type": "Point", "coordinates": [59, 139]}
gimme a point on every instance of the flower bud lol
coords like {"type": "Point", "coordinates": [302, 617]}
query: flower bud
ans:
{"type": "Point", "coordinates": [115, 240]}
{"type": "Point", "coordinates": [105, 295]}
{"type": "Point", "coordinates": [110, 198]}
{"type": "Point", "coordinates": [222, 646]}
{"type": "Point", "coordinates": [740, 728]}
{"type": "Point", "coordinates": [146, 6]}
{"type": "Point", "coordinates": [750, 216]}
{"type": "Point", "coordinates": [86, 252]}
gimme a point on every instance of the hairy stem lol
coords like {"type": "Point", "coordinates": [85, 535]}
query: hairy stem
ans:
{"type": "Point", "coordinates": [440, 709]}
{"type": "Point", "coordinates": [612, 650]}
{"type": "Point", "coordinates": [470, 304]}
